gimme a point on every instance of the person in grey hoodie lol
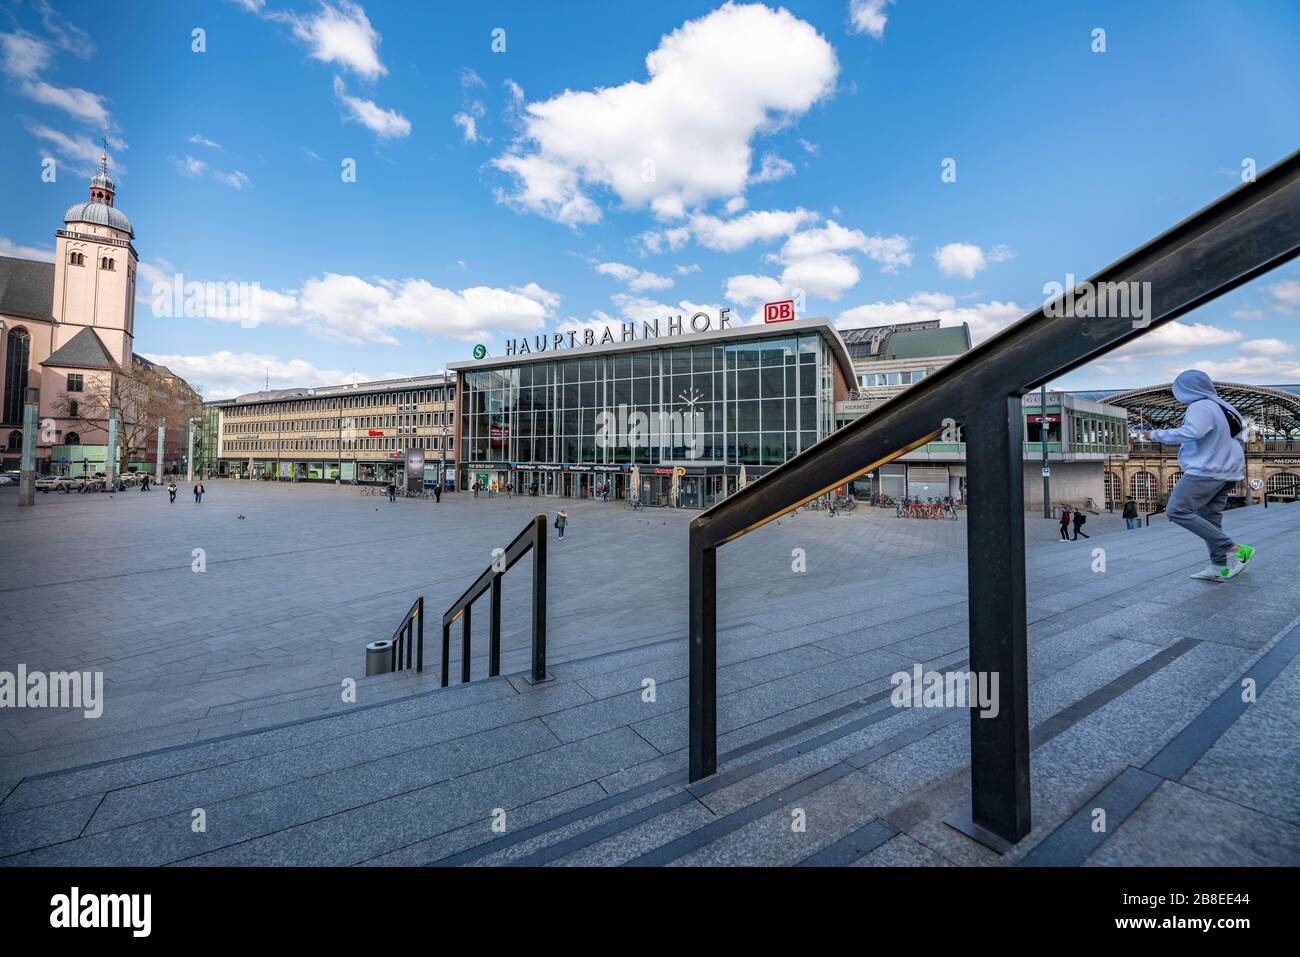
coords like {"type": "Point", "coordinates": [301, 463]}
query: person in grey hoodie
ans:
{"type": "Point", "coordinates": [1213, 460]}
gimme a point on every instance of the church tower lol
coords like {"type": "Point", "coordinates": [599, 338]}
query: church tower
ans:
{"type": "Point", "coordinates": [95, 271]}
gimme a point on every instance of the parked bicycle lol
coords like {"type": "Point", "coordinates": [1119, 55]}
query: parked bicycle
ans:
{"type": "Point", "coordinates": [633, 503]}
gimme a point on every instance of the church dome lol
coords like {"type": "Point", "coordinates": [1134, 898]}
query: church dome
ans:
{"type": "Point", "coordinates": [101, 214]}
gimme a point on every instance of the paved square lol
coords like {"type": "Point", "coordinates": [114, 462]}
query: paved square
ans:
{"type": "Point", "coordinates": [295, 579]}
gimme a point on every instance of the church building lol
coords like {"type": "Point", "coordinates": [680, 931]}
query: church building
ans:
{"type": "Point", "coordinates": [67, 328]}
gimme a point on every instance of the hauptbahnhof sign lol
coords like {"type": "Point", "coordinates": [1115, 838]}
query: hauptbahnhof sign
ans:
{"type": "Point", "coordinates": [627, 332]}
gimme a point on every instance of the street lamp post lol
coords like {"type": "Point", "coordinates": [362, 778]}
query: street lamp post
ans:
{"type": "Point", "coordinates": [1042, 440]}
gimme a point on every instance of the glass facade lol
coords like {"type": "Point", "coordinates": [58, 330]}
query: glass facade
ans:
{"type": "Point", "coordinates": [753, 402]}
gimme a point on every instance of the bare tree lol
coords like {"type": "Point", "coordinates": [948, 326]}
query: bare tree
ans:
{"type": "Point", "coordinates": [144, 395]}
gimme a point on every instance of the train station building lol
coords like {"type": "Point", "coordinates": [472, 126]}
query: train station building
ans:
{"type": "Point", "coordinates": [679, 411]}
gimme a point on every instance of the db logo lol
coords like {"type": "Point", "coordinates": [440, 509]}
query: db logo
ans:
{"type": "Point", "coordinates": [782, 311]}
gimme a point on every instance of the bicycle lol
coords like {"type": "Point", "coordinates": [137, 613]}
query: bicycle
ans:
{"type": "Point", "coordinates": [634, 504]}
{"type": "Point", "coordinates": [372, 490]}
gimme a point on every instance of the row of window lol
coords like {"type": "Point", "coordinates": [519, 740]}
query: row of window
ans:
{"type": "Point", "coordinates": [383, 444]}
{"type": "Point", "coordinates": [410, 420]}
{"type": "Point", "coordinates": [364, 401]}
{"type": "Point", "coordinates": [870, 380]}
{"type": "Point", "coordinates": [79, 259]}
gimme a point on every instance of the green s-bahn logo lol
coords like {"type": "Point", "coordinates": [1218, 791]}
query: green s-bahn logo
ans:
{"type": "Point", "coordinates": [480, 351]}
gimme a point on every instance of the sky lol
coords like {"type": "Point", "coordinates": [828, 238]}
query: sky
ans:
{"type": "Point", "coordinates": [401, 182]}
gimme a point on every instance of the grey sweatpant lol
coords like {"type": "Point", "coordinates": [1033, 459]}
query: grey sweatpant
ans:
{"type": "Point", "coordinates": [1196, 503]}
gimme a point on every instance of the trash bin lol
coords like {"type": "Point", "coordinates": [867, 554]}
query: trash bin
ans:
{"type": "Point", "coordinates": [379, 657]}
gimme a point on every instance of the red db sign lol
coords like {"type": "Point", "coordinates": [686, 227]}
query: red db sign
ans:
{"type": "Point", "coordinates": [782, 311]}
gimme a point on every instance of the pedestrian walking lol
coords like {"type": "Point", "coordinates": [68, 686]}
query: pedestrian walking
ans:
{"type": "Point", "coordinates": [1079, 518]}
{"type": "Point", "coordinates": [561, 520]}
{"type": "Point", "coordinates": [144, 483]}
{"type": "Point", "coordinates": [392, 492]}
{"type": "Point", "coordinates": [171, 493]}
{"type": "Point", "coordinates": [198, 493]}
{"type": "Point", "coordinates": [1130, 513]}
{"type": "Point", "coordinates": [1065, 522]}
{"type": "Point", "coordinates": [1213, 460]}
{"type": "Point", "coordinates": [437, 493]}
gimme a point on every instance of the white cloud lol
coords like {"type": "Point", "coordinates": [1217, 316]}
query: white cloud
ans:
{"type": "Point", "coordinates": [757, 226]}
{"type": "Point", "coordinates": [751, 290]}
{"type": "Point", "coordinates": [868, 16]}
{"type": "Point", "coordinates": [655, 241]}
{"type": "Point", "coordinates": [386, 124]}
{"type": "Point", "coordinates": [639, 309]}
{"type": "Point", "coordinates": [9, 248]}
{"type": "Point", "coordinates": [224, 375]}
{"type": "Point", "coordinates": [468, 126]}
{"type": "Point", "coordinates": [191, 167]}
{"type": "Point", "coordinates": [1267, 347]}
{"type": "Point", "coordinates": [827, 275]}
{"type": "Point", "coordinates": [681, 137]}
{"type": "Point", "coordinates": [351, 309]}
{"type": "Point", "coordinates": [199, 140]}
{"type": "Point", "coordinates": [24, 56]}
{"type": "Point", "coordinates": [357, 311]}
{"type": "Point", "coordinates": [235, 179]}
{"type": "Point", "coordinates": [960, 259]}
{"type": "Point", "coordinates": [812, 149]}
{"type": "Point", "coordinates": [1174, 339]}
{"type": "Point", "coordinates": [686, 270]}
{"type": "Point", "coordinates": [1284, 296]}
{"type": "Point", "coordinates": [773, 168]}
{"type": "Point", "coordinates": [635, 279]}
{"type": "Point", "coordinates": [1259, 369]}
{"type": "Point", "coordinates": [892, 252]}
{"type": "Point", "coordinates": [984, 319]}
{"type": "Point", "coordinates": [816, 260]}
{"type": "Point", "coordinates": [735, 205]}
{"type": "Point", "coordinates": [550, 300]}
{"type": "Point", "coordinates": [79, 152]}
{"type": "Point", "coordinates": [341, 34]}
{"type": "Point", "coordinates": [78, 103]}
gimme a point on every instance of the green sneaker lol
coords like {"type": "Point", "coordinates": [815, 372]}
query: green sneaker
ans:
{"type": "Point", "coordinates": [1245, 553]}
{"type": "Point", "coordinates": [1212, 573]}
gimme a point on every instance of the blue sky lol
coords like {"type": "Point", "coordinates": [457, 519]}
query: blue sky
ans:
{"type": "Point", "coordinates": [627, 160]}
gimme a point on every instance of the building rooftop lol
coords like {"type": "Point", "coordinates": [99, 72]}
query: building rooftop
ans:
{"type": "Point", "coordinates": [819, 324]}
{"type": "Point", "coordinates": [82, 351]}
{"type": "Point", "coordinates": [325, 391]}
{"type": "Point", "coordinates": [909, 340]}
{"type": "Point", "coordinates": [26, 288]}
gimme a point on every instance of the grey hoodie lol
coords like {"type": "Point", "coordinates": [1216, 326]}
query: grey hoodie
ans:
{"type": "Point", "coordinates": [1208, 447]}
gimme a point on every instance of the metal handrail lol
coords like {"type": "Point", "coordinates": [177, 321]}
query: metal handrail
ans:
{"type": "Point", "coordinates": [533, 537]}
{"type": "Point", "coordinates": [1244, 234]}
{"type": "Point", "coordinates": [402, 637]}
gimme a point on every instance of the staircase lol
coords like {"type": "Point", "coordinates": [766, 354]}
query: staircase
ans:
{"type": "Point", "coordinates": [588, 771]}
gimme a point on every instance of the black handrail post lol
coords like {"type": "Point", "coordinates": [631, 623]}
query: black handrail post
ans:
{"type": "Point", "coordinates": [464, 645]}
{"type": "Point", "coordinates": [446, 651]}
{"type": "Point", "coordinates": [419, 653]}
{"type": "Point", "coordinates": [999, 745]}
{"type": "Point", "coordinates": [539, 600]}
{"type": "Point", "coordinates": [704, 659]}
{"type": "Point", "coordinates": [494, 637]}
{"type": "Point", "coordinates": [409, 638]}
